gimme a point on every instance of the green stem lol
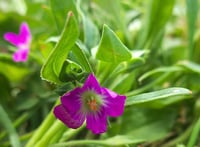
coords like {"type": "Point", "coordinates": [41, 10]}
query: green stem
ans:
{"type": "Point", "coordinates": [21, 119]}
{"type": "Point", "coordinates": [58, 135]}
{"type": "Point", "coordinates": [70, 133]}
{"type": "Point", "coordinates": [26, 136]}
{"type": "Point", "coordinates": [51, 132]}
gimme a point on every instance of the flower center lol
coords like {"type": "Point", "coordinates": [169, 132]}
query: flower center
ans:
{"type": "Point", "coordinates": [91, 101]}
{"type": "Point", "coordinates": [92, 104]}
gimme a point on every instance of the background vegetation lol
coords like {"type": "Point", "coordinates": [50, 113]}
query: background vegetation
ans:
{"type": "Point", "coordinates": [147, 50]}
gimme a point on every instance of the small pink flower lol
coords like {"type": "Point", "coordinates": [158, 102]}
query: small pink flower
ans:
{"type": "Point", "coordinates": [22, 41]}
{"type": "Point", "coordinates": [92, 103]}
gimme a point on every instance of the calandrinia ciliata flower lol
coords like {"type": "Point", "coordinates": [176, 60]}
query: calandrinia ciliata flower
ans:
{"type": "Point", "coordinates": [22, 41]}
{"type": "Point", "coordinates": [91, 103]}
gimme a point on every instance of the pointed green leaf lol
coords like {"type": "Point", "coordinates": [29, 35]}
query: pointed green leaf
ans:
{"type": "Point", "coordinates": [111, 49]}
{"type": "Point", "coordinates": [156, 95]}
{"type": "Point", "coordinates": [53, 65]}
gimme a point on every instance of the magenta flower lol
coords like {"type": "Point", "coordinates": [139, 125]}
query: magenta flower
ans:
{"type": "Point", "coordinates": [91, 102]}
{"type": "Point", "coordinates": [22, 41]}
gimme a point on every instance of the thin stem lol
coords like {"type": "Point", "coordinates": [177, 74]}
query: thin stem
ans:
{"type": "Point", "coordinates": [194, 134]}
{"type": "Point", "coordinates": [50, 133]}
{"type": "Point", "coordinates": [70, 133]}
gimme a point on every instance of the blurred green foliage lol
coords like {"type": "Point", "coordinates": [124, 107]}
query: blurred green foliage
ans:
{"type": "Point", "coordinates": [147, 50]}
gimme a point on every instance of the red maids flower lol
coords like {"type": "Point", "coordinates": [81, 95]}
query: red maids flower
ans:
{"type": "Point", "coordinates": [91, 102]}
{"type": "Point", "coordinates": [22, 41]}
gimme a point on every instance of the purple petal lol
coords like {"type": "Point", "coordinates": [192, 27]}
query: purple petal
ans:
{"type": "Point", "coordinates": [97, 123]}
{"type": "Point", "coordinates": [114, 102]}
{"type": "Point", "coordinates": [25, 34]}
{"type": "Point", "coordinates": [92, 84]}
{"type": "Point", "coordinates": [22, 40]}
{"type": "Point", "coordinates": [72, 101]}
{"type": "Point", "coordinates": [71, 121]}
{"type": "Point", "coordinates": [12, 38]}
{"type": "Point", "coordinates": [21, 55]}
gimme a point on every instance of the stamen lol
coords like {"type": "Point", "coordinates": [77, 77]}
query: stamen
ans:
{"type": "Point", "coordinates": [91, 101]}
{"type": "Point", "coordinates": [92, 104]}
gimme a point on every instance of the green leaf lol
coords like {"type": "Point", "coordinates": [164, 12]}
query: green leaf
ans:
{"type": "Point", "coordinates": [70, 71]}
{"type": "Point", "coordinates": [157, 15]}
{"type": "Point", "coordinates": [158, 70]}
{"type": "Point", "coordinates": [136, 61]}
{"type": "Point", "coordinates": [60, 9]}
{"type": "Point", "coordinates": [124, 84]}
{"type": "Point", "coordinates": [111, 49]}
{"type": "Point", "coordinates": [6, 122]}
{"type": "Point", "coordinates": [91, 32]}
{"type": "Point", "coordinates": [81, 57]}
{"type": "Point", "coordinates": [190, 66]}
{"type": "Point", "coordinates": [53, 65]}
{"type": "Point", "coordinates": [161, 94]}
{"type": "Point", "coordinates": [137, 121]}
{"type": "Point", "coordinates": [113, 141]}
{"type": "Point", "coordinates": [195, 134]}
{"type": "Point", "coordinates": [192, 12]}
{"type": "Point", "coordinates": [109, 12]}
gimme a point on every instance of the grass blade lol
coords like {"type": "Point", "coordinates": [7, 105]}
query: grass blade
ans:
{"type": "Point", "coordinates": [6, 122]}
